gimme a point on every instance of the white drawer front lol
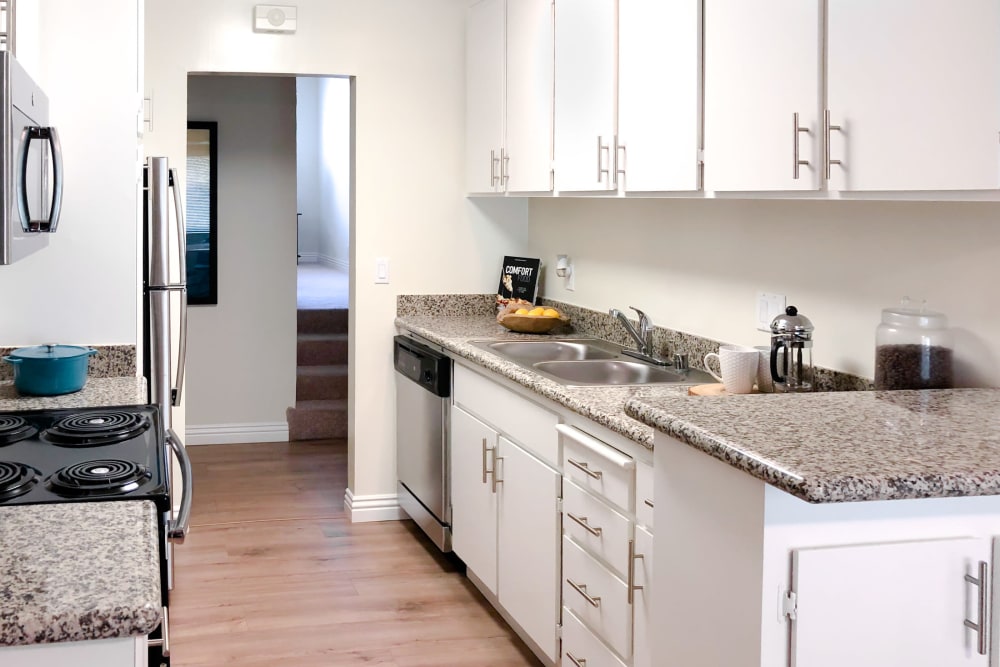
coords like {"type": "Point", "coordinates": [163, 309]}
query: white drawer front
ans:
{"type": "Point", "coordinates": [526, 423]}
{"type": "Point", "coordinates": [597, 597]}
{"type": "Point", "coordinates": [596, 526]}
{"type": "Point", "coordinates": [644, 494]}
{"type": "Point", "coordinates": [598, 467]}
{"type": "Point", "coordinates": [581, 648]}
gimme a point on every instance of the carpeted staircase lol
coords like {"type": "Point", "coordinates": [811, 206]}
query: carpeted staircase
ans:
{"type": "Point", "coordinates": [321, 386]}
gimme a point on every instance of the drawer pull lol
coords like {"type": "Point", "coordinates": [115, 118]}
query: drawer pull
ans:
{"type": "Point", "coordinates": [596, 474]}
{"type": "Point", "coordinates": [582, 520]}
{"type": "Point", "coordinates": [485, 471]}
{"type": "Point", "coordinates": [648, 503]}
{"type": "Point", "coordinates": [579, 662]}
{"type": "Point", "coordinates": [582, 590]}
{"type": "Point", "coordinates": [632, 557]}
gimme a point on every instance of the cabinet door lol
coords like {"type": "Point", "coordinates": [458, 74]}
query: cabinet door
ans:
{"type": "Point", "coordinates": [529, 544]}
{"type": "Point", "coordinates": [887, 604]}
{"type": "Point", "coordinates": [585, 94]}
{"type": "Point", "coordinates": [658, 95]}
{"type": "Point", "coordinates": [484, 95]}
{"type": "Point", "coordinates": [762, 66]}
{"type": "Point", "coordinates": [473, 502]}
{"type": "Point", "coordinates": [642, 603]}
{"type": "Point", "coordinates": [528, 100]}
{"type": "Point", "coordinates": [914, 87]}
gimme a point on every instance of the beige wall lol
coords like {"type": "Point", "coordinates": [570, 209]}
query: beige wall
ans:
{"type": "Point", "coordinates": [409, 205]}
{"type": "Point", "coordinates": [241, 369]}
{"type": "Point", "coordinates": [696, 265]}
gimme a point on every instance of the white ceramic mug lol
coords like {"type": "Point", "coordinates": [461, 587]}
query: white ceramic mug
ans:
{"type": "Point", "coordinates": [738, 367]}
{"type": "Point", "coordinates": [764, 381]}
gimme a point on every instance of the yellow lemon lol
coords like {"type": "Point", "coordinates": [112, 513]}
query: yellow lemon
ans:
{"type": "Point", "coordinates": [521, 311]}
{"type": "Point", "coordinates": [550, 312]}
{"type": "Point", "coordinates": [536, 311]}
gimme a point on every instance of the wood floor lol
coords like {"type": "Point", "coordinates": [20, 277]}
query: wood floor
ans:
{"type": "Point", "coordinates": [273, 573]}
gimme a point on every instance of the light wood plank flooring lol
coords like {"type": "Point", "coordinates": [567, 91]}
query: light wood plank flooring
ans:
{"type": "Point", "coordinates": [273, 573]}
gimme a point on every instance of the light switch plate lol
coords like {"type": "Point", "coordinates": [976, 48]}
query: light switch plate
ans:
{"type": "Point", "coordinates": [381, 270]}
{"type": "Point", "coordinates": [769, 306]}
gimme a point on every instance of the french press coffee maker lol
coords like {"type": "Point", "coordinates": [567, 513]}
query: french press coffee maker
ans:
{"type": "Point", "coordinates": [791, 352]}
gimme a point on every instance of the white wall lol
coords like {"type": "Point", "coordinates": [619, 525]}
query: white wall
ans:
{"type": "Point", "coordinates": [240, 368]}
{"type": "Point", "coordinates": [307, 141]}
{"type": "Point", "coordinates": [83, 288]}
{"type": "Point", "coordinates": [695, 265]}
{"type": "Point", "coordinates": [409, 205]}
{"type": "Point", "coordinates": [335, 172]}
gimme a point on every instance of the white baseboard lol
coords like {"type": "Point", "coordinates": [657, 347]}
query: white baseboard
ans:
{"type": "Point", "coordinates": [232, 434]}
{"type": "Point", "coordinates": [334, 262]}
{"type": "Point", "coordinates": [378, 507]}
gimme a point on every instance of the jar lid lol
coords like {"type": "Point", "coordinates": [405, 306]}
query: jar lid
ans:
{"type": "Point", "coordinates": [791, 321]}
{"type": "Point", "coordinates": [906, 315]}
{"type": "Point", "coordinates": [52, 351]}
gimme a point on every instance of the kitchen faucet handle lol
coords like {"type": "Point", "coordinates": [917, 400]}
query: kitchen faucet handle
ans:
{"type": "Point", "coordinates": [645, 324]}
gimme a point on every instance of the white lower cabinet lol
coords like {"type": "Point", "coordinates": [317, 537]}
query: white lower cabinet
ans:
{"type": "Point", "coordinates": [581, 648]}
{"type": "Point", "coordinates": [505, 504]}
{"type": "Point", "coordinates": [642, 601]}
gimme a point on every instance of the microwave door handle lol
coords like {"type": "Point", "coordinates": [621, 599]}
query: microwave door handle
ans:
{"type": "Point", "coordinates": [178, 389]}
{"type": "Point", "coordinates": [27, 135]}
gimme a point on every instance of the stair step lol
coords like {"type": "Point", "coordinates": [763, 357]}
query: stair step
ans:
{"type": "Point", "coordinates": [333, 320]}
{"type": "Point", "coordinates": [322, 349]}
{"type": "Point", "coordinates": [317, 419]}
{"type": "Point", "coordinates": [321, 382]}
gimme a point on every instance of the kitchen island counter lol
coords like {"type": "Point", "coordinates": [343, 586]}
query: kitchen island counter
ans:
{"type": "Point", "coordinates": [78, 571]}
{"type": "Point", "coordinates": [98, 391]}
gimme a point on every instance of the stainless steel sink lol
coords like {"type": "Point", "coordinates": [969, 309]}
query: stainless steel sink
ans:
{"type": "Point", "coordinates": [611, 372]}
{"type": "Point", "coordinates": [551, 350]}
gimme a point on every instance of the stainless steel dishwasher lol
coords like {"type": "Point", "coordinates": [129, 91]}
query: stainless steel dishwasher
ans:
{"type": "Point", "coordinates": [423, 387]}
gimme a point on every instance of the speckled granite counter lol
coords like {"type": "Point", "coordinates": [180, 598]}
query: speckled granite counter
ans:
{"type": "Point", "coordinates": [845, 446]}
{"type": "Point", "coordinates": [604, 405]}
{"type": "Point", "coordinates": [78, 571]}
{"type": "Point", "coordinates": [97, 391]}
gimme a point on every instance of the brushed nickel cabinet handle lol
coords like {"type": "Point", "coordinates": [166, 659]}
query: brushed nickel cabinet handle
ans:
{"type": "Point", "coordinates": [579, 662]}
{"type": "Point", "coordinates": [796, 162]}
{"type": "Point", "coordinates": [584, 466]}
{"type": "Point", "coordinates": [494, 179]}
{"type": "Point", "coordinates": [485, 471]}
{"type": "Point", "coordinates": [601, 149]}
{"type": "Point", "coordinates": [632, 558]}
{"type": "Point", "coordinates": [594, 600]}
{"type": "Point", "coordinates": [827, 129]}
{"type": "Point", "coordinates": [582, 520]}
{"type": "Point", "coordinates": [504, 168]}
{"type": "Point", "coordinates": [979, 627]}
{"type": "Point", "coordinates": [496, 460]}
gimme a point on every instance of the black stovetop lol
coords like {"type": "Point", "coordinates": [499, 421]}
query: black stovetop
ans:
{"type": "Point", "coordinates": [82, 454]}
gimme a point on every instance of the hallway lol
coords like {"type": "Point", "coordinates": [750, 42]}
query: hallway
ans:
{"type": "Point", "coordinates": [321, 286]}
{"type": "Point", "coordinates": [274, 573]}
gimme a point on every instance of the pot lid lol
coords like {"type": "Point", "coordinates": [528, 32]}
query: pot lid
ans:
{"type": "Point", "coordinates": [791, 321]}
{"type": "Point", "coordinates": [52, 351]}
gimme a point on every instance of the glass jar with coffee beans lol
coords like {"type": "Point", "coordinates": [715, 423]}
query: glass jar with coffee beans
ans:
{"type": "Point", "coordinates": [913, 348]}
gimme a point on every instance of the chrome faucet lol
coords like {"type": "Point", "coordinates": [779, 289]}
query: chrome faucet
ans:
{"type": "Point", "coordinates": [643, 337]}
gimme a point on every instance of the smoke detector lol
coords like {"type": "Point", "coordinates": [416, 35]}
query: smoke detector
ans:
{"type": "Point", "coordinates": [274, 18]}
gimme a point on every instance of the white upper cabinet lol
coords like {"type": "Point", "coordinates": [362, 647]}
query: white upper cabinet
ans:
{"type": "Point", "coordinates": [585, 95]}
{"type": "Point", "coordinates": [762, 67]}
{"type": "Point", "coordinates": [528, 144]}
{"type": "Point", "coordinates": [658, 95]}
{"type": "Point", "coordinates": [484, 79]}
{"type": "Point", "coordinates": [915, 89]}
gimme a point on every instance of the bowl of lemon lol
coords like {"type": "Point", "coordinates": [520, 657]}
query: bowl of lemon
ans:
{"type": "Point", "coordinates": [538, 319]}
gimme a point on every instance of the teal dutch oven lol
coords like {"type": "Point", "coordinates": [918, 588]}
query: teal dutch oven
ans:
{"type": "Point", "coordinates": [50, 370]}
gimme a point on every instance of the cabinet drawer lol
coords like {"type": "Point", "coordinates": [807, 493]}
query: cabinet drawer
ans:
{"type": "Point", "coordinates": [581, 511]}
{"type": "Point", "coordinates": [581, 648]}
{"type": "Point", "coordinates": [644, 494]}
{"type": "Point", "coordinates": [526, 423]}
{"type": "Point", "coordinates": [598, 467]}
{"type": "Point", "coordinates": [597, 597]}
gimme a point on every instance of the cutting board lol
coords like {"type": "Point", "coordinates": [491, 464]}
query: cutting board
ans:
{"type": "Point", "coordinates": [717, 389]}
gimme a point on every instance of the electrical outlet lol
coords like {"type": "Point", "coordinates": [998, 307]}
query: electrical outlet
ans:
{"type": "Point", "coordinates": [768, 307]}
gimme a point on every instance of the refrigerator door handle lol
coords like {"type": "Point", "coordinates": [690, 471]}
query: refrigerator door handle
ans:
{"type": "Point", "coordinates": [175, 184]}
{"type": "Point", "coordinates": [178, 528]}
{"type": "Point", "coordinates": [52, 136]}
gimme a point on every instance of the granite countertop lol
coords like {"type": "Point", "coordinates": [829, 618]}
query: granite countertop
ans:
{"type": "Point", "coordinates": [821, 447]}
{"type": "Point", "coordinates": [604, 405]}
{"type": "Point", "coordinates": [78, 571]}
{"type": "Point", "coordinates": [845, 446]}
{"type": "Point", "coordinates": [97, 391]}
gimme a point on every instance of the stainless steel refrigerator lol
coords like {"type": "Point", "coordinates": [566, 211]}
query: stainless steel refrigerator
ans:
{"type": "Point", "coordinates": [164, 297]}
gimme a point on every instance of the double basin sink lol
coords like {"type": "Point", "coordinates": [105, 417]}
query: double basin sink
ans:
{"type": "Point", "coordinates": [589, 362]}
